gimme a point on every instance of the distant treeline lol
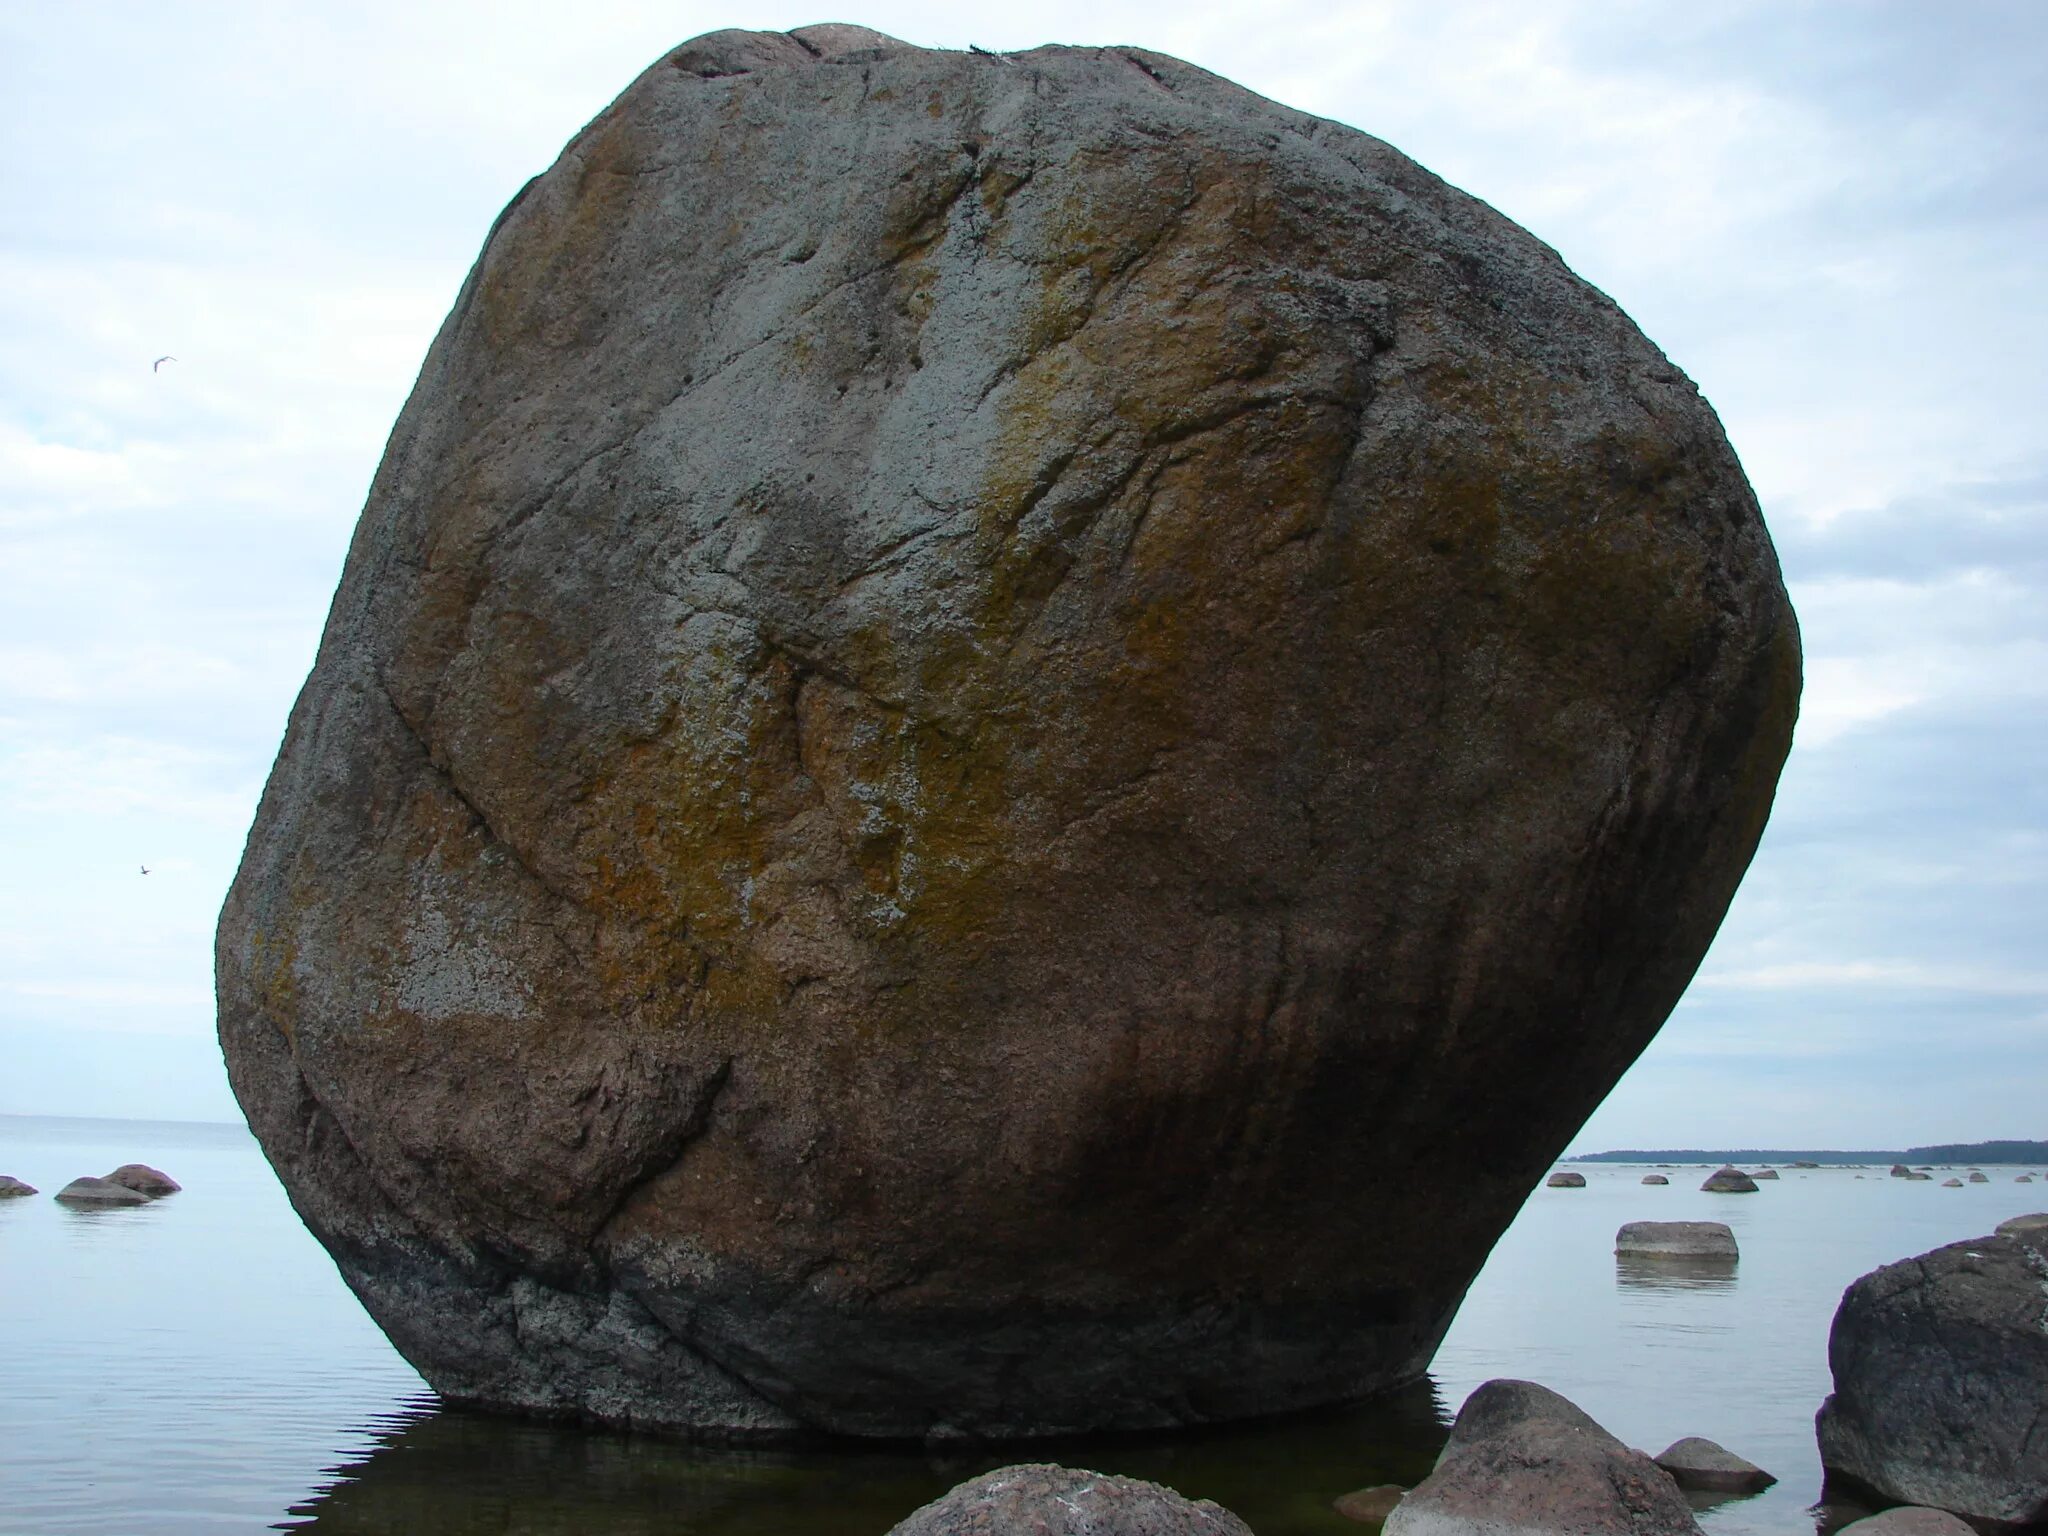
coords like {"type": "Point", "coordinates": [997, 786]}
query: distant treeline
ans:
{"type": "Point", "coordinates": [1954, 1152]}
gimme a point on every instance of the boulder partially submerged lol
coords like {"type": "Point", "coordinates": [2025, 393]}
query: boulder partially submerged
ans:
{"type": "Point", "coordinates": [13, 1188]}
{"type": "Point", "coordinates": [1565, 1178]}
{"type": "Point", "coordinates": [1939, 1363]}
{"type": "Point", "coordinates": [96, 1191]}
{"type": "Point", "coordinates": [1043, 1499]}
{"type": "Point", "coordinates": [1702, 1466]}
{"type": "Point", "coordinates": [1729, 1181]}
{"type": "Point", "coordinates": [967, 683]}
{"type": "Point", "coordinates": [1522, 1459]}
{"type": "Point", "coordinates": [1676, 1240]}
{"type": "Point", "coordinates": [150, 1181]}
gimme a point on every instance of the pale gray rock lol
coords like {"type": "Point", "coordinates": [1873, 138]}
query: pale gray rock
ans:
{"type": "Point", "coordinates": [967, 682]}
{"type": "Point", "coordinates": [13, 1188]}
{"type": "Point", "coordinates": [149, 1181]}
{"type": "Point", "coordinates": [1523, 1460]}
{"type": "Point", "coordinates": [1765, 1173]}
{"type": "Point", "coordinates": [1701, 1465]}
{"type": "Point", "coordinates": [1951, 1183]}
{"type": "Point", "coordinates": [1040, 1499]}
{"type": "Point", "coordinates": [1729, 1181]}
{"type": "Point", "coordinates": [1909, 1520]}
{"type": "Point", "coordinates": [1676, 1239]}
{"type": "Point", "coordinates": [92, 1191]}
{"type": "Point", "coordinates": [1566, 1179]}
{"type": "Point", "coordinates": [1939, 1363]}
{"type": "Point", "coordinates": [1655, 1178]}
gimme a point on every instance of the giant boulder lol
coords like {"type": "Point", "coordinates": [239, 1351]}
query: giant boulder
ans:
{"type": "Point", "coordinates": [1008, 743]}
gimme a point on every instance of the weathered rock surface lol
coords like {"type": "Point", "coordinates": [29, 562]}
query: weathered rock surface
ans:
{"type": "Point", "coordinates": [150, 1181]}
{"type": "Point", "coordinates": [1676, 1239]}
{"type": "Point", "coordinates": [1701, 1464]}
{"type": "Point", "coordinates": [1039, 1499]}
{"type": "Point", "coordinates": [1939, 1364]}
{"type": "Point", "coordinates": [11, 1187]}
{"type": "Point", "coordinates": [1369, 1506]}
{"type": "Point", "coordinates": [1729, 1181]}
{"type": "Point", "coordinates": [1909, 1520]}
{"type": "Point", "coordinates": [1522, 1459]}
{"type": "Point", "coordinates": [1566, 1179]}
{"type": "Point", "coordinates": [967, 684]}
{"type": "Point", "coordinates": [92, 1191]}
{"type": "Point", "coordinates": [2033, 1228]}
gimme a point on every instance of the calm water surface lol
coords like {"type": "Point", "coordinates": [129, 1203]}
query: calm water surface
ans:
{"type": "Point", "coordinates": [196, 1366]}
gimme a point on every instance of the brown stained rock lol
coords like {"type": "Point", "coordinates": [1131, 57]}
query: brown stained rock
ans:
{"type": "Point", "coordinates": [140, 1176]}
{"type": "Point", "coordinates": [1039, 1499]}
{"type": "Point", "coordinates": [967, 685]}
{"type": "Point", "coordinates": [1370, 1506]}
{"type": "Point", "coordinates": [1522, 1459]}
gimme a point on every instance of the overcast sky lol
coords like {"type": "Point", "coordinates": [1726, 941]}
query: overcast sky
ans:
{"type": "Point", "coordinates": [1831, 215]}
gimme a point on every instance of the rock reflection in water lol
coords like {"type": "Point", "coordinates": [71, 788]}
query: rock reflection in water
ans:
{"type": "Point", "coordinates": [435, 1472]}
{"type": "Point", "coordinates": [1637, 1272]}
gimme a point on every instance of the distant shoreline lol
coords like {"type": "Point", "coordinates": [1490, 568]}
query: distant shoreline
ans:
{"type": "Point", "coordinates": [2006, 1152]}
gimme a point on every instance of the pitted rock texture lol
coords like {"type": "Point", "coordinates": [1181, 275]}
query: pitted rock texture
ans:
{"type": "Point", "coordinates": [1940, 1365]}
{"type": "Point", "coordinates": [1042, 1499]}
{"type": "Point", "coordinates": [1008, 743]}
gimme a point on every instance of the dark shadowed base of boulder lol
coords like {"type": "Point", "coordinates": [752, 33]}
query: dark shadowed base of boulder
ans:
{"type": "Point", "coordinates": [1370, 1506]}
{"type": "Point", "coordinates": [1566, 1180]}
{"type": "Point", "coordinates": [91, 1191]}
{"type": "Point", "coordinates": [1910, 1520]}
{"type": "Point", "coordinates": [11, 1187]}
{"type": "Point", "coordinates": [1729, 1181]}
{"type": "Point", "coordinates": [1676, 1240]}
{"type": "Point", "coordinates": [1938, 1364]}
{"type": "Point", "coordinates": [1039, 1499]}
{"type": "Point", "coordinates": [1699, 1465]}
{"type": "Point", "coordinates": [1521, 1458]}
{"type": "Point", "coordinates": [1655, 1178]}
{"type": "Point", "coordinates": [144, 1179]}
{"type": "Point", "coordinates": [1921, 1178]}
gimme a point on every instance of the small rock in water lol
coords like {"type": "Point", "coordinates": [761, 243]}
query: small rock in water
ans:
{"type": "Point", "coordinates": [10, 1187]}
{"type": "Point", "coordinates": [1370, 1506]}
{"type": "Point", "coordinates": [1910, 1520]}
{"type": "Point", "coordinates": [1655, 1178]}
{"type": "Point", "coordinates": [1676, 1240]}
{"type": "Point", "coordinates": [2025, 1178]}
{"type": "Point", "coordinates": [1977, 1177]}
{"type": "Point", "coordinates": [1901, 1171]}
{"type": "Point", "coordinates": [1765, 1173]}
{"type": "Point", "coordinates": [140, 1176]}
{"type": "Point", "coordinates": [91, 1191]}
{"type": "Point", "coordinates": [1565, 1179]}
{"type": "Point", "coordinates": [1923, 1178]}
{"type": "Point", "coordinates": [1729, 1181]}
{"type": "Point", "coordinates": [1047, 1500]}
{"type": "Point", "coordinates": [1951, 1183]}
{"type": "Point", "coordinates": [1521, 1458]}
{"type": "Point", "coordinates": [1698, 1463]}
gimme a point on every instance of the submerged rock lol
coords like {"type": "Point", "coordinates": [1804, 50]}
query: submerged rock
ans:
{"type": "Point", "coordinates": [1522, 1459]}
{"type": "Point", "coordinates": [140, 1176]}
{"type": "Point", "coordinates": [1676, 1239]}
{"type": "Point", "coordinates": [1566, 1179]}
{"type": "Point", "coordinates": [1370, 1506]}
{"type": "Point", "coordinates": [92, 1191]}
{"type": "Point", "coordinates": [1938, 1366]}
{"type": "Point", "coordinates": [968, 682]}
{"type": "Point", "coordinates": [1729, 1181]}
{"type": "Point", "coordinates": [1045, 1500]}
{"type": "Point", "coordinates": [1699, 1464]}
{"type": "Point", "coordinates": [11, 1187]}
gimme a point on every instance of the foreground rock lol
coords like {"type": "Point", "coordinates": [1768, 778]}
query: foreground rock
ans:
{"type": "Point", "coordinates": [966, 684]}
{"type": "Point", "coordinates": [1701, 1465]}
{"type": "Point", "coordinates": [1729, 1181]}
{"type": "Point", "coordinates": [92, 1191]}
{"type": "Point", "coordinates": [1939, 1363]}
{"type": "Point", "coordinates": [149, 1181]}
{"type": "Point", "coordinates": [1520, 1458]}
{"type": "Point", "coordinates": [1909, 1520]}
{"type": "Point", "coordinates": [13, 1188]}
{"type": "Point", "coordinates": [1566, 1180]}
{"type": "Point", "coordinates": [1038, 1499]}
{"type": "Point", "coordinates": [1676, 1239]}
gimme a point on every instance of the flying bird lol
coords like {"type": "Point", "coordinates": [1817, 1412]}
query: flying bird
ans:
{"type": "Point", "coordinates": [166, 358]}
{"type": "Point", "coordinates": [145, 869]}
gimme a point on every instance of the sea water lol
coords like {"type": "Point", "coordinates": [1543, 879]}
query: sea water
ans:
{"type": "Point", "coordinates": [196, 1366]}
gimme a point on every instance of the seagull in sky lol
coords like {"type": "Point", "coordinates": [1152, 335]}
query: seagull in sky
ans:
{"type": "Point", "coordinates": [166, 358]}
{"type": "Point", "coordinates": [145, 869]}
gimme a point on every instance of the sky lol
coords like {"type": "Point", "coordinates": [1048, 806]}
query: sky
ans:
{"type": "Point", "coordinates": [1832, 216]}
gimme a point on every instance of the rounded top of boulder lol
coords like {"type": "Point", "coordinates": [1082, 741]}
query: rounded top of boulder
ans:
{"type": "Point", "coordinates": [1729, 1181]}
{"type": "Point", "coordinates": [968, 679]}
{"type": "Point", "coordinates": [1051, 1500]}
{"type": "Point", "coordinates": [1677, 1239]}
